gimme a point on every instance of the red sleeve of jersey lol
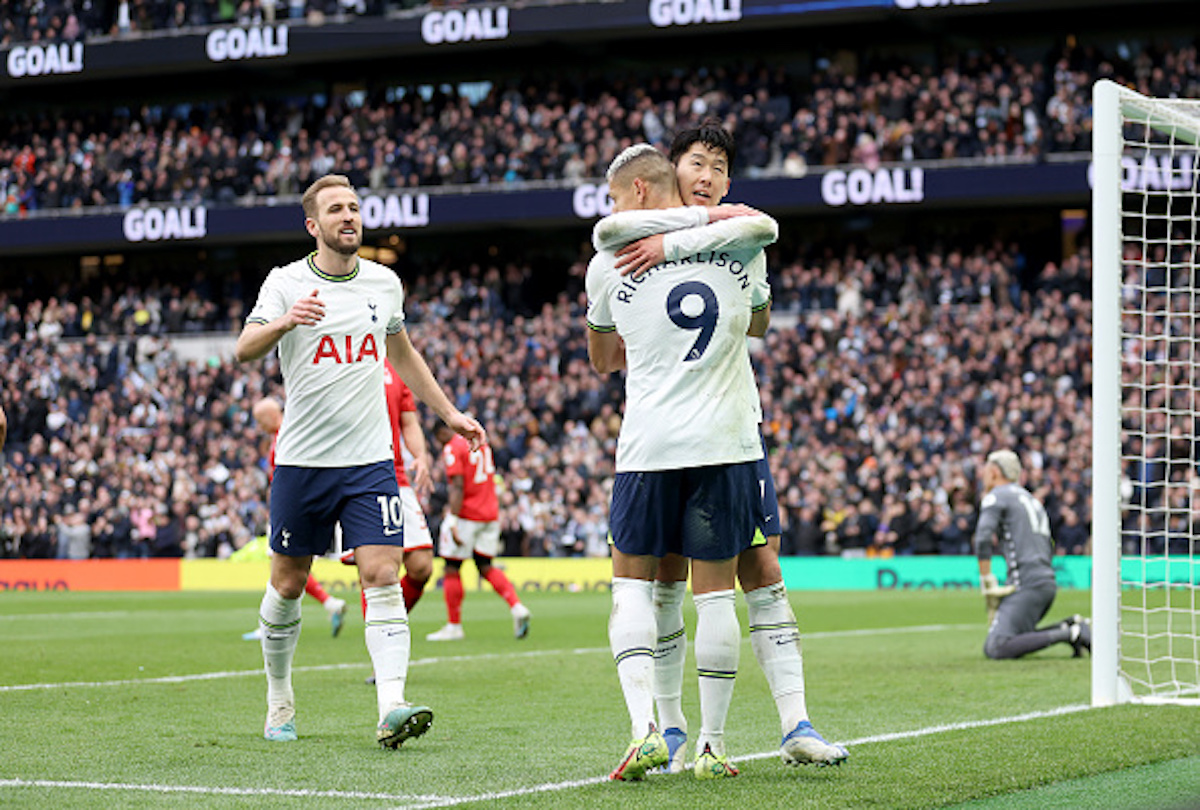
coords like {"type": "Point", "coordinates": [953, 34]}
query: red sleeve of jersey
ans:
{"type": "Point", "coordinates": [397, 394]}
{"type": "Point", "coordinates": [271, 457]}
{"type": "Point", "coordinates": [408, 403]}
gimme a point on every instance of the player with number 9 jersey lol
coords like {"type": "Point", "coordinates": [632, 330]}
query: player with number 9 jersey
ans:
{"type": "Point", "coordinates": [688, 399]}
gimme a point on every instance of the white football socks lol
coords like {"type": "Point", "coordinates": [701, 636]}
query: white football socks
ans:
{"type": "Point", "coordinates": [670, 653]}
{"type": "Point", "coordinates": [631, 638]}
{"type": "Point", "coordinates": [279, 620]}
{"type": "Point", "coordinates": [775, 639]}
{"type": "Point", "coordinates": [389, 642]}
{"type": "Point", "coordinates": [718, 642]}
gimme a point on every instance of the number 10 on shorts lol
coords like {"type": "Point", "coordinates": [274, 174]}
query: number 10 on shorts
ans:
{"type": "Point", "coordinates": [391, 512]}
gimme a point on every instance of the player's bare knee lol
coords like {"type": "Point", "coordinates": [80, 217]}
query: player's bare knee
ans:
{"type": "Point", "coordinates": [418, 567]}
{"type": "Point", "coordinates": [288, 589]}
{"type": "Point", "coordinates": [758, 567]}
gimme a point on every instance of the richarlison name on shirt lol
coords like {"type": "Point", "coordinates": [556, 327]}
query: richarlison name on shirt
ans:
{"type": "Point", "coordinates": [630, 285]}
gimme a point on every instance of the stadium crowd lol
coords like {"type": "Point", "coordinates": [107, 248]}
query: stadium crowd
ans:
{"type": "Point", "coordinates": [885, 380]}
{"type": "Point", "coordinates": [44, 21]}
{"type": "Point", "coordinates": [979, 105]}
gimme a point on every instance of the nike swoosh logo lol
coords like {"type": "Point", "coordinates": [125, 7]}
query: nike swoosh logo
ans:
{"type": "Point", "coordinates": [391, 532]}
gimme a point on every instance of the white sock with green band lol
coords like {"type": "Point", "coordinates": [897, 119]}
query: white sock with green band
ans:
{"type": "Point", "coordinates": [280, 622]}
{"type": "Point", "coordinates": [718, 642]}
{"type": "Point", "coordinates": [389, 642]}
{"type": "Point", "coordinates": [670, 654]}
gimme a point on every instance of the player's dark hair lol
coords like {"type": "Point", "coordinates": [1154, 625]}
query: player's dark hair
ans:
{"type": "Point", "coordinates": [709, 132]}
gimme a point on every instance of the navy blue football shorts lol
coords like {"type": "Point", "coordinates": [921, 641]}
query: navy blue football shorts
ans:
{"type": "Point", "coordinates": [703, 513]}
{"type": "Point", "coordinates": [770, 501]}
{"type": "Point", "coordinates": [306, 502]}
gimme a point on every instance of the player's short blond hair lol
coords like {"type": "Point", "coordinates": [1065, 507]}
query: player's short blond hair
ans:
{"type": "Point", "coordinates": [644, 161]}
{"type": "Point", "coordinates": [309, 201]}
{"type": "Point", "coordinates": [1007, 462]}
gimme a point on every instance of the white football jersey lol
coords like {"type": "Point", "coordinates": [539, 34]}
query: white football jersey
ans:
{"type": "Point", "coordinates": [681, 238]}
{"type": "Point", "coordinates": [682, 235]}
{"type": "Point", "coordinates": [336, 414]}
{"type": "Point", "coordinates": [688, 399]}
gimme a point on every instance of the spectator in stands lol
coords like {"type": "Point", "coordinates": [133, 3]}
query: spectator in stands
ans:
{"type": "Point", "coordinates": [137, 417]}
{"type": "Point", "coordinates": [989, 107]}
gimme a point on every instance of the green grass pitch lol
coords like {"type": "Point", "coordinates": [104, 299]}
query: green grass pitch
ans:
{"type": "Point", "coordinates": [153, 700]}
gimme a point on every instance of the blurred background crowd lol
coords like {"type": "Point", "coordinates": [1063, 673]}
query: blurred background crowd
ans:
{"type": "Point", "coordinates": [885, 380]}
{"type": "Point", "coordinates": [978, 105]}
{"type": "Point", "coordinates": [47, 21]}
{"type": "Point", "coordinates": [904, 347]}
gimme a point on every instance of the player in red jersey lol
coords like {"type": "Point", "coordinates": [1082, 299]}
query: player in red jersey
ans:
{"type": "Point", "coordinates": [268, 414]}
{"type": "Point", "coordinates": [407, 435]}
{"type": "Point", "coordinates": [471, 528]}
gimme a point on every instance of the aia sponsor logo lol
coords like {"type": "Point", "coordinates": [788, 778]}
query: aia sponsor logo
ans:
{"type": "Point", "coordinates": [345, 349]}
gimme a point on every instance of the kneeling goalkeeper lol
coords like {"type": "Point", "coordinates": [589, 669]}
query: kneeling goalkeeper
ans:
{"type": "Point", "coordinates": [1014, 523]}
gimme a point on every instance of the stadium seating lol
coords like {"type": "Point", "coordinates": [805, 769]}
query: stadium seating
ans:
{"type": "Point", "coordinates": [988, 107]}
{"type": "Point", "coordinates": [885, 381]}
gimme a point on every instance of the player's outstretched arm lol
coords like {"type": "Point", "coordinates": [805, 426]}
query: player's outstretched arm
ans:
{"type": "Point", "coordinates": [257, 339]}
{"type": "Point", "coordinates": [416, 375]}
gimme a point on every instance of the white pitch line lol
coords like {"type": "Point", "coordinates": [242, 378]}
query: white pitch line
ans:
{"type": "Point", "coordinates": [426, 802]}
{"type": "Point", "coordinates": [215, 791]}
{"type": "Point", "coordinates": [203, 676]}
{"type": "Point", "coordinates": [444, 659]}
{"type": "Point", "coordinates": [897, 735]}
{"type": "Point", "coordinates": [925, 732]}
{"type": "Point", "coordinates": [105, 614]}
{"type": "Point", "coordinates": [891, 631]}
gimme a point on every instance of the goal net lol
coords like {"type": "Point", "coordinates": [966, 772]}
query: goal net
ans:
{"type": "Point", "coordinates": [1146, 398]}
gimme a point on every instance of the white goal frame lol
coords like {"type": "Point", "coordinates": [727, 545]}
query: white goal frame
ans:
{"type": "Point", "coordinates": [1126, 665]}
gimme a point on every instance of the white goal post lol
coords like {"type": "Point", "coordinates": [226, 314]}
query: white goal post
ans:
{"type": "Point", "coordinates": [1145, 398]}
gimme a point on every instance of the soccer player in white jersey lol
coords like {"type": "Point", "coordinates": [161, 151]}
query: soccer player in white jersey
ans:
{"type": "Point", "coordinates": [690, 488]}
{"type": "Point", "coordinates": [702, 156]}
{"type": "Point", "coordinates": [334, 317]}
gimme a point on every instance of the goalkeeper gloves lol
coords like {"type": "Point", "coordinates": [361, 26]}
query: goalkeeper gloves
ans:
{"type": "Point", "coordinates": [993, 593]}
